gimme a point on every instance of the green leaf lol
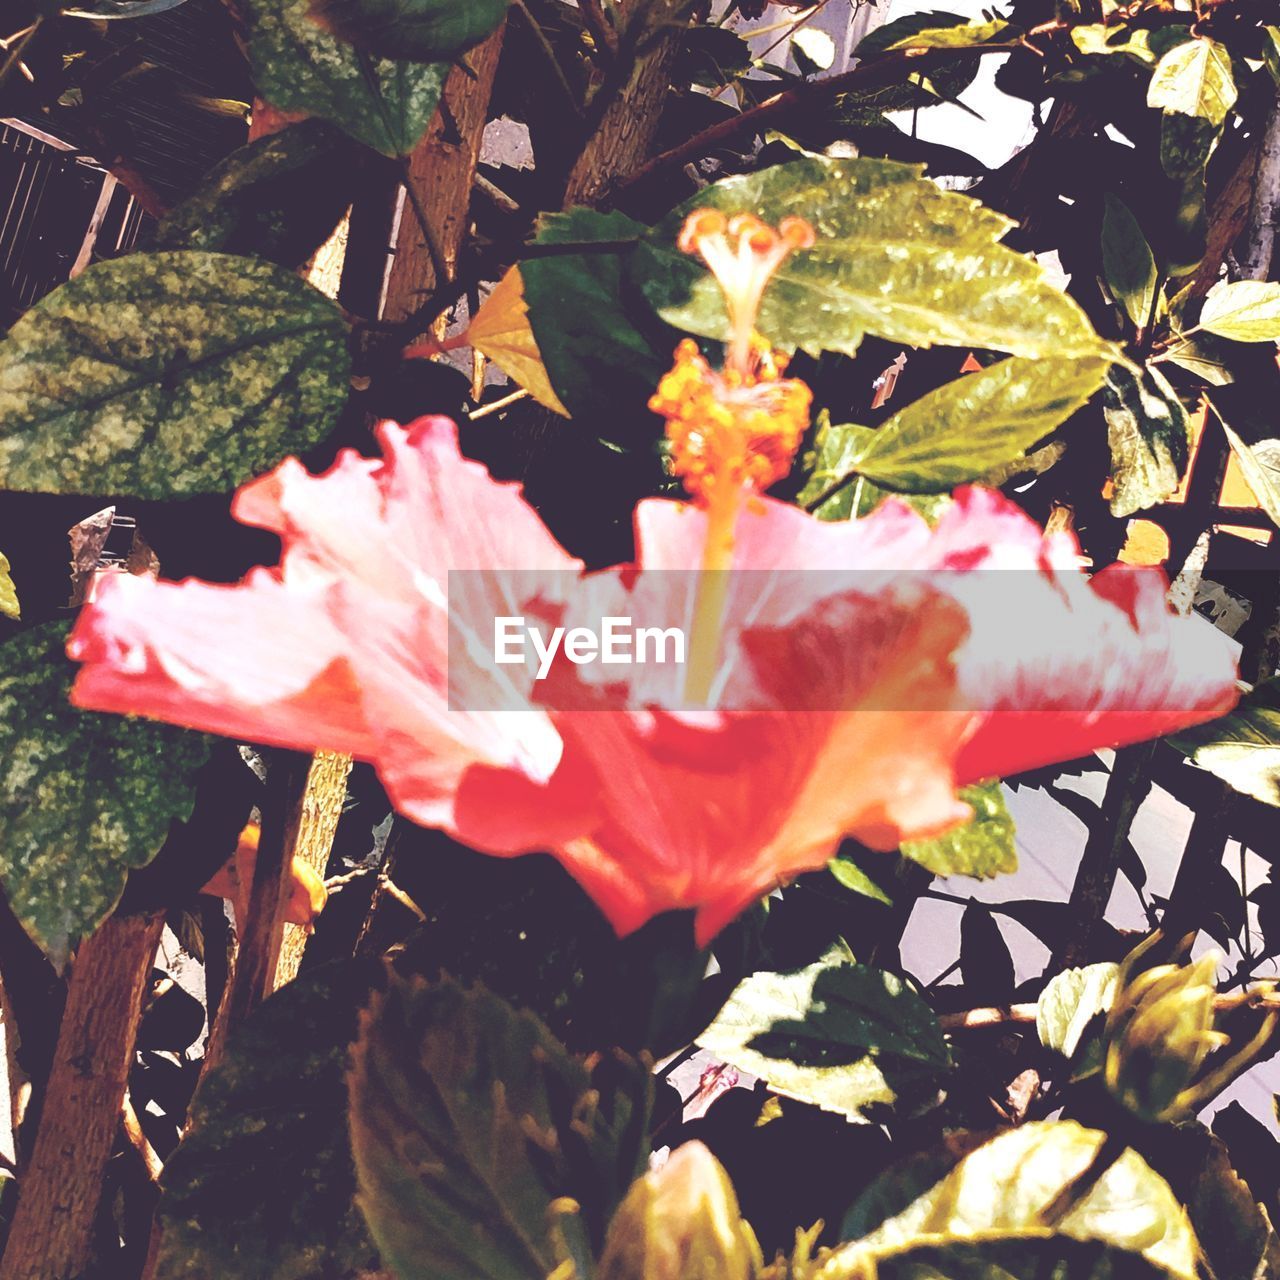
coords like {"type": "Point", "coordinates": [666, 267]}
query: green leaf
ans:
{"type": "Point", "coordinates": [298, 66]}
{"type": "Point", "coordinates": [896, 256]}
{"type": "Point", "coordinates": [840, 1035]}
{"type": "Point", "coordinates": [420, 30]}
{"type": "Point", "coordinates": [1127, 262]}
{"type": "Point", "coordinates": [1070, 1003]}
{"type": "Point", "coordinates": [1260, 464]}
{"type": "Point", "coordinates": [1148, 433]}
{"type": "Point", "coordinates": [1246, 311]}
{"type": "Point", "coordinates": [1194, 79]}
{"type": "Point", "coordinates": [598, 361]}
{"type": "Point", "coordinates": [1098, 39]}
{"type": "Point", "coordinates": [952, 37]}
{"type": "Point", "coordinates": [1130, 1207]}
{"type": "Point", "coordinates": [947, 79]}
{"type": "Point", "coordinates": [82, 800]}
{"type": "Point", "coordinates": [971, 425]}
{"type": "Point", "coordinates": [8, 592]}
{"type": "Point", "coordinates": [1243, 747]}
{"type": "Point", "coordinates": [278, 198]}
{"type": "Point", "coordinates": [263, 1184]}
{"type": "Point", "coordinates": [1271, 52]}
{"type": "Point", "coordinates": [469, 1119]}
{"type": "Point", "coordinates": [1053, 1257]}
{"type": "Point", "coordinates": [1205, 356]}
{"type": "Point", "coordinates": [167, 374]}
{"type": "Point", "coordinates": [981, 848]}
{"type": "Point", "coordinates": [852, 877]}
{"type": "Point", "coordinates": [813, 50]}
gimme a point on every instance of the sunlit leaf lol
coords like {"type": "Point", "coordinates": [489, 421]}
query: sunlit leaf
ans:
{"type": "Point", "coordinates": [896, 256]}
{"type": "Point", "coordinates": [82, 800]}
{"type": "Point", "coordinates": [843, 1036]}
{"type": "Point", "coordinates": [852, 877]}
{"type": "Point", "coordinates": [8, 592]}
{"type": "Point", "coordinates": [1148, 435]}
{"type": "Point", "coordinates": [298, 66]}
{"type": "Point", "coordinates": [1243, 747]}
{"type": "Point", "coordinates": [981, 848]}
{"type": "Point", "coordinates": [957, 37]}
{"type": "Point", "coordinates": [168, 374]}
{"type": "Point", "coordinates": [814, 46]}
{"type": "Point", "coordinates": [1194, 79]}
{"type": "Point", "coordinates": [1071, 1001]}
{"type": "Point", "coordinates": [1099, 39]}
{"type": "Point", "coordinates": [1246, 311]}
{"type": "Point", "coordinates": [1000, 1190]}
{"type": "Point", "coordinates": [502, 331]}
{"type": "Point", "coordinates": [968, 426]}
{"type": "Point", "coordinates": [1260, 464]}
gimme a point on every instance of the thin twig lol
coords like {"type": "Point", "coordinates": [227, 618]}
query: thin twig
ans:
{"type": "Point", "coordinates": [549, 56]}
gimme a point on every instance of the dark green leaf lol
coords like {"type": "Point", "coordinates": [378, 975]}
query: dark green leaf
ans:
{"type": "Point", "coordinates": [1127, 262]}
{"type": "Point", "coordinates": [1194, 79]}
{"type": "Point", "coordinates": [106, 9]}
{"type": "Point", "coordinates": [843, 1036]}
{"type": "Point", "coordinates": [599, 363]}
{"type": "Point", "coordinates": [1243, 747]}
{"type": "Point", "coordinates": [421, 30]}
{"type": "Point", "coordinates": [278, 198]}
{"type": "Point", "coordinates": [298, 66]}
{"type": "Point", "coordinates": [967, 427]}
{"type": "Point", "coordinates": [948, 79]}
{"type": "Point", "coordinates": [895, 256]}
{"type": "Point", "coordinates": [469, 1119]}
{"type": "Point", "coordinates": [1148, 433]}
{"type": "Point", "coordinates": [167, 374]}
{"type": "Point", "coordinates": [981, 848]}
{"type": "Point", "coordinates": [986, 964]}
{"type": "Point", "coordinates": [1186, 143]}
{"type": "Point", "coordinates": [83, 797]}
{"type": "Point", "coordinates": [263, 1184]}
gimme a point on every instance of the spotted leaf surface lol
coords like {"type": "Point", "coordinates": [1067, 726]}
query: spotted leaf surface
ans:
{"type": "Point", "coordinates": [168, 374]}
{"type": "Point", "coordinates": [298, 66]}
{"type": "Point", "coordinates": [83, 797]}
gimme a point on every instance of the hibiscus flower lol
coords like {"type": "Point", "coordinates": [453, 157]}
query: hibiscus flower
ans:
{"type": "Point", "coordinates": [851, 702]}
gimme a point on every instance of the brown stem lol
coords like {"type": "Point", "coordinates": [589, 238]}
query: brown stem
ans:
{"type": "Point", "coordinates": [58, 1196]}
{"type": "Point", "coordinates": [439, 175]}
{"type": "Point", "coordinates": [1264, 215]}
{"type": "Point", "coordinates": [869, 75]}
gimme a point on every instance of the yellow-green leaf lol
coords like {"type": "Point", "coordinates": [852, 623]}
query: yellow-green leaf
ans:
{"type": "Point", "coordinates": [1071, 1001]}
{"type": "Point", "coordinates": [966, 428]}
{"type": "Point", "coordinates": [983, 847]}
{"type": "Point", "coordinates": [895, 256]}
{"type": "Point", "coordinates": [1260, 464]}
{"type": "Point", "coordinates": [501, 330]}
{"type": "Point", "coordinates": [953, 37]}
{"type": "Point", "coordinates": [1243, 747]}
{"type": "Point", "coordinates": [1000, 1191]}
{"type": "Point", "coordinates": [1194, 79]}
{"type": "Point", "coordinates": [1246, 311]}
{"type": "Point", "coordinates": [8, 592]}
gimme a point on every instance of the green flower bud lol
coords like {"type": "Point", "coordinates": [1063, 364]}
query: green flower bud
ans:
{"type": "Point", "coordinates": [1159, 1032]}
{"type": "Point", "coordinates": [681, 1222]}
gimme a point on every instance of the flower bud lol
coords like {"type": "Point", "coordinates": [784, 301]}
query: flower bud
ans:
{"type": "Point", "coordinates": [1159, 1032]}
{"type": "Point", "coordinates": [681, 1222]}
